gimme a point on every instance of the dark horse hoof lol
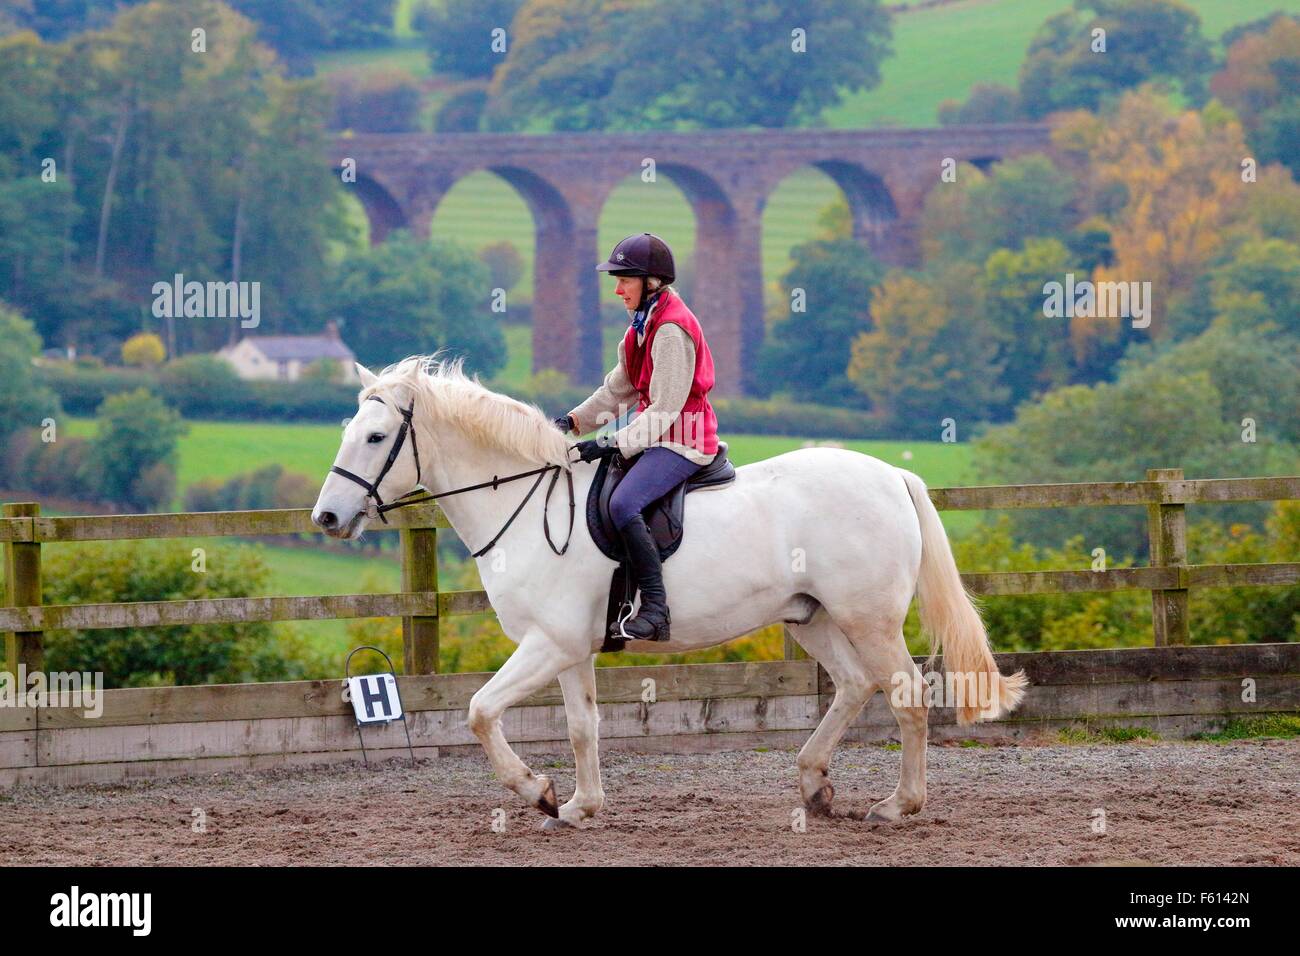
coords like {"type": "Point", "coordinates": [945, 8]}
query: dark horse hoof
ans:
{"type": "Point", "coordinates": [547, 802]}
{"type": "Point", "coordinates": [819, 805]}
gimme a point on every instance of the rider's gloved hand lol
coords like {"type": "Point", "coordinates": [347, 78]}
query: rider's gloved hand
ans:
{"type": "Point", "coordinates": [565, 424]}
{"type": "Point", "coordinates": [601, 447]}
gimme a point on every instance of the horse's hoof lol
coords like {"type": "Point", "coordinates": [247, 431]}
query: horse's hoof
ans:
{"type": "Point", "coordinates": [819, 805]}
{"type": "Point", "coordinates": [874, 817]}
{"type": "Point", "coordinates": [555, 823]}
{"type": "Point", "coordinates": [547, 802]}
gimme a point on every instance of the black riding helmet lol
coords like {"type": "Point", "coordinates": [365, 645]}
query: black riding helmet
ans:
{"type": "Point", "coordinates": [644, 254]}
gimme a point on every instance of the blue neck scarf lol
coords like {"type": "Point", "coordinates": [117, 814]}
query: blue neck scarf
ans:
{"type": "Point", "coordinates": [639, 317]}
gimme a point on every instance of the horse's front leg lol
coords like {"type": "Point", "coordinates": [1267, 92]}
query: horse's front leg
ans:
{"type": "Point", "coordinates": [534, 664]}
{"type": "Point", "coordinates": [583, 716]}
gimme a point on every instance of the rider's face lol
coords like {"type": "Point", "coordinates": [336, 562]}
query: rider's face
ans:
{"type": "Point", "coordinates": [629, 290]}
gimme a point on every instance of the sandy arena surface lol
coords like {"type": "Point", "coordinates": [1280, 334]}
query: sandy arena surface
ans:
{"type": "Point", "coordinates": [1165, 803]}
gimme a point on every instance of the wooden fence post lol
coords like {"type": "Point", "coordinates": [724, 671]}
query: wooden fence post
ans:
{"type": "Point", "coordinates": [1167, 536]}
{"type": "Point", "coordinates": [420, 573]}
{"type": "Point", "coordinates": [793, 652]}
{"type": "Point", "coordinates": [23, 589]}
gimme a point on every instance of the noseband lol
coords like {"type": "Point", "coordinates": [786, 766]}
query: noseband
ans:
{"type": "Point", "coordinates": [416, 497]}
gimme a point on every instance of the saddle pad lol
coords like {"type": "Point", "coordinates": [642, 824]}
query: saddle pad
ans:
{"type": "Point", "coordinates": [664, 516]}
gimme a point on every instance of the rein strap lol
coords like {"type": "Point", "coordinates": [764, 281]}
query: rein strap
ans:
{"type": "Point", "coordinates": [418, 497]}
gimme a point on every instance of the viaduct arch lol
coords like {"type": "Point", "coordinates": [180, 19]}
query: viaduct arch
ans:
{"type": "Point", "coordinates": [726, 176]}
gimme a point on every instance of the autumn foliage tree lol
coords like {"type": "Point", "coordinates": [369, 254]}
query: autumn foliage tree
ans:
{"type": "Point", "coordinates": [1261, 81]}
{"type": "Point", "coordinates": [932, 353]}
{"type": "Point", "coordinates": [1168, 185]}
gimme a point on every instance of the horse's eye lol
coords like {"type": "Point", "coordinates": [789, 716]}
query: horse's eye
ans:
{"type": "Point", "coordinates": [375, 438]}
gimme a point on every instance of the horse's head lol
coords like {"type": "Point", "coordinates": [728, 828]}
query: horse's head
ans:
{"type": "Point", "coordinates": [378, 462]}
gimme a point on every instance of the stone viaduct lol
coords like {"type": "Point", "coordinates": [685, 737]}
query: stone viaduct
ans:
{"type": "Point", "coordinates": [725, 175]}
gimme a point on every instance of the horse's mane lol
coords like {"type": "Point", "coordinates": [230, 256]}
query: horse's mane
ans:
{"type": "Point", "coordinates": [445, 394]}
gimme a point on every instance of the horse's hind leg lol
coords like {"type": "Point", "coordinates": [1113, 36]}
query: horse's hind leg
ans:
{"type": "Point", "coordinates": [890, 664]}
{"type": "Point", "coordinates": [826, 643]}
{"type": "Point", "coordinates": [583, 716]}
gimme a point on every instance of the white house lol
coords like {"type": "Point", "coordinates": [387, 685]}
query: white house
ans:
{"type": "Point", "coordinates": [285, 357]}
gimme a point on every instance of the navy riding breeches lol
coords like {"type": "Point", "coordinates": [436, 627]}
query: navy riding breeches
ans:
{"type": "Point", "coordinates": [654, 473]}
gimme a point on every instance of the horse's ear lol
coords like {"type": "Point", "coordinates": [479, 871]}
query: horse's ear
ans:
{"type": "Point", "coordinates": [368, 377]}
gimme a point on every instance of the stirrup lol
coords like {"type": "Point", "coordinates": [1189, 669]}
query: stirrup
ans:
{"type": "Point", "coordinates": [660, 634]}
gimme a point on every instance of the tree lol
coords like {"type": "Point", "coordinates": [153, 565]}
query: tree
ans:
{"type": "Point", "coordinates": [407, 297]}
{"type": "Point", "coordinates": [1167, 185]}
{"type": "Point", "coordinates": [1033, 348]}
{"type": "Point", "coordinates": [1261, 81]}
{"type": "Point", "coordinates": [23, 403]}
{"type": "Point", "coordinates": [458, 34]}
{"type": "Point", "coordinates": [807, 351]}
{"type": "Point", "coordinates": [135, 433]}
{"type": "Point", "coordinates": [168, 161]}
{"type": "Point", "coordinates": [1169, 407]}
{"type": "Point", "coordinates": [1259, 288]}
{"type": "Point", "coordinates": [582, 64]}
{"type": "Point", "coordinates": [1018, 199]}
{"type": "Point", "coordinates": [932, 353]}
{"type": "Point", "coordinates": [1145, 40]}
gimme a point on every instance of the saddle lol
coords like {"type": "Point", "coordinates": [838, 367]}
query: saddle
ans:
{"type": "Point", "coordinates": [664, 517]}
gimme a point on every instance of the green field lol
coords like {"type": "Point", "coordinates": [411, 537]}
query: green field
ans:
{"type": "Point", "coordinates": [941, 52]}
{"type": "Point", "coordinates": [224, 449]}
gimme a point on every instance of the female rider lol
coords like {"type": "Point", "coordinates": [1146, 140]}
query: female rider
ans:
{"type": "Point", "coordinates": [664, 364]}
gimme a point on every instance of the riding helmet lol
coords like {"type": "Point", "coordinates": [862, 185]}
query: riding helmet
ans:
{"type": "Point", "coordinates": [644, 254]}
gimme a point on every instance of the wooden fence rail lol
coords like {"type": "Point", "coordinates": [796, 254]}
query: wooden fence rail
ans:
{"type": "Point", "coordinates": [420, 604]}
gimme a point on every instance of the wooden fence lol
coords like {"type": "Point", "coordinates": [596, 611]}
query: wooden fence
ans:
{"type": "Point", "coordinates": [155, 730]}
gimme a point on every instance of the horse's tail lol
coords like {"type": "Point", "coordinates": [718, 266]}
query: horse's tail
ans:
{"type": "Point", "coordinates": [951, 621]}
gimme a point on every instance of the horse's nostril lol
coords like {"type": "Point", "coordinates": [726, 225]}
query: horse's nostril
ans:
{"type": "Point", "coordinates": [327, 519]}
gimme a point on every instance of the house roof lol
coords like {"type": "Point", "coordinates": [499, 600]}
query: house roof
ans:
{"type": "Point", "coordinates": [303, 348]}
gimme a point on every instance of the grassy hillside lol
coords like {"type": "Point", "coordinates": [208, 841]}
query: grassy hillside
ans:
{"type": "Point", "coordinates": [941, 52]}
{"type": "Point", "coordinates": [224, 449]}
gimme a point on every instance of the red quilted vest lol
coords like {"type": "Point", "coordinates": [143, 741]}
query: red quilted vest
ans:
{"type": "Point", "coordinates": [697, 425]}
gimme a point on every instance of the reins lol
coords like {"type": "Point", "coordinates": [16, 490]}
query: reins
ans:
{"type": "Point", "coordinates": [419, 497]}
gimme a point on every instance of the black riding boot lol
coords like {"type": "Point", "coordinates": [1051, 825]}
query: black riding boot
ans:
{"type": "Point", "coordinates": [651, 620]}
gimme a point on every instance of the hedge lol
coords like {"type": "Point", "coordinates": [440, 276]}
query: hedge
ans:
{"type": "Point", "coordinates": [81, 391]}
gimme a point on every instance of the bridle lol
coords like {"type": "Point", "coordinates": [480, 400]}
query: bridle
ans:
{"type": "Point", "coordinates": [418, 497]}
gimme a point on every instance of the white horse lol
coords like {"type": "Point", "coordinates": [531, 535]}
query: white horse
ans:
{"type": "Point", "coordinates": [830, 541]}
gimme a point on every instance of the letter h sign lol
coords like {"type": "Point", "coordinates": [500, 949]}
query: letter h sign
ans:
{"type": "Point", "coordinates": [375, 700]}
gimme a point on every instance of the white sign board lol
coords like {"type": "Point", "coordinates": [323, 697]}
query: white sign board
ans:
{"type": "Point", "coordinates": [374, 698]}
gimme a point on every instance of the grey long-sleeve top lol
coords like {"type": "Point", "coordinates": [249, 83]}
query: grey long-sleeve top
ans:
{"type": "Point", "coordinates": [670, 385]}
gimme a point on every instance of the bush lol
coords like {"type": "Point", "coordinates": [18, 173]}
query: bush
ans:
{"type": "Point", "coordinates": [265, 488]}
{"type": "Point", "coordinates": [505, 264]}
{"type": "Point", "coordinates": [376, 101]}
{"type": "Point", "coordinates": [58, 467]}
{"type": "Point", "coordinates": [101, 572]}
{"type": "Point", "coordinates": [201, 386]}
{"type": "Point", "coordinates": [82, 391]}
{"type": "Point", "coordinates": [136, 433]}
{"type": "Point", "coordinates": [144, 350]}
{"type": "Point", "coordinates": [195, 382]}
{"type": "Point", "coordinates": [462, 111]}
